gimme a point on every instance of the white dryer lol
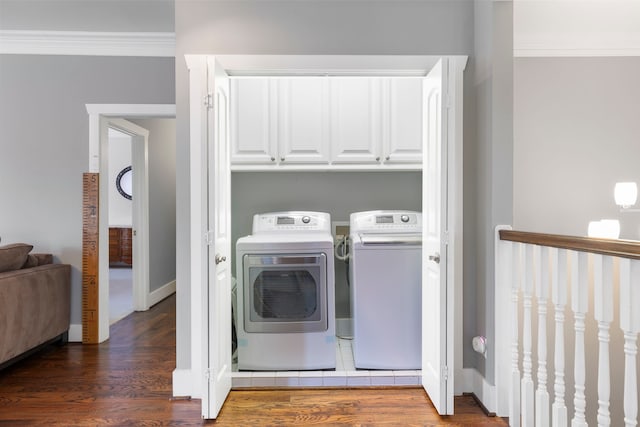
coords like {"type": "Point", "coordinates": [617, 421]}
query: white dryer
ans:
{"type": "Point", "coordinates": [286, 295]}
{"type": "Point", "coordinates": [385, 288]}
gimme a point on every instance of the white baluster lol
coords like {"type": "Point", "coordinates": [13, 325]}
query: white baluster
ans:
{"type": "Point", "coordinates": [603, 312]}
{"type": "Point", "coordinates": [559, 299]}
{"type": "Point", "coordinates": [579, 305]}
{"type": "Point", "coordinates": [541, 255]}
{"type": "Point", "coordinates": [527, 365]}
{"type": "Point", "coordinates": [514, 408]}
{"type": "Point", "coordinates": [630, 324]}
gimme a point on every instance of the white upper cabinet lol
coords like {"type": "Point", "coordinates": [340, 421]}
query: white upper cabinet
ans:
{"type": "Point", "coordinates": [356, 119]}
{"type": "Point", "coordinates": [253, 130]}
{"type": "Point", "coordinates": [303, 130]}
{"type": "Point", "coordinates": [327, 122]}
{"type": "Point", "coordinates": [402, 138]}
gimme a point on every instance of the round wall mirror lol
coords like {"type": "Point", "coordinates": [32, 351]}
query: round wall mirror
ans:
{"type": "Point", "coordinates": [124, 182]}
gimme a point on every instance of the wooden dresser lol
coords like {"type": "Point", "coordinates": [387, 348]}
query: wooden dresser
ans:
{"type": "Point", "coordinates": [120, 247]}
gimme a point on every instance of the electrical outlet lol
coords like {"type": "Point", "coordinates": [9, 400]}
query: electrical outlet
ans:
{"type": "Point", "coordinates": [340, 230]}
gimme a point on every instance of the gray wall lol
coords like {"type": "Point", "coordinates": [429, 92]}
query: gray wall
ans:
{"type": "Point", "coordinates": [488, 173]}
{"type": "Point", "coordinates": [83, 15]}
{"type": "Point", "coordinates": [162, 200]}
{"type": "Point", "coordinates": [313, 27]}
{"type": "Point", "coordinates": [338, 193]}
{"type": "Point", "coordinates": [576, 134]}
{"type": "Point", "coordinates": [44, 142]}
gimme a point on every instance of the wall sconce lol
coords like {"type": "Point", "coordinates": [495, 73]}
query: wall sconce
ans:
{"type": "Point", "coordinates": [604, 229]}
{"type": "Point", "coordinates": [626, 195]}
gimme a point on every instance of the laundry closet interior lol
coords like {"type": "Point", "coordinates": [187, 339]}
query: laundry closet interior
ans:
{"type": "Point", "coordinates": [301, 146]}
{"type": "Point", "coordinates": [336, 144]}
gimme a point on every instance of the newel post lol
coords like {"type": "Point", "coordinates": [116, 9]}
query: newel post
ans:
{"type": "Point", "coordinates": [502, 319]}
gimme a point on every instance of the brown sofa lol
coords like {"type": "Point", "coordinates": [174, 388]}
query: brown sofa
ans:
{"type": "Point", "coordinates": [35, 300]}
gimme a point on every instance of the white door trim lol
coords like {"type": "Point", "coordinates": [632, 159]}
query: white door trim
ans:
{"type": "Point", "coordinates": [197, 65]}
{"type": "Point", "coordinates": [101, 117]}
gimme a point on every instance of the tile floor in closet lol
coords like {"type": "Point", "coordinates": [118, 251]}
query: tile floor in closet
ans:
{"type": "Point", "coordinates": [344, 375]}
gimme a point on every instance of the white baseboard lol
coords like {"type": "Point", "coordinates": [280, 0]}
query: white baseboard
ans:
{"type": "Point", "coordinates": [75, 332]}
{"type": "Point", "coordinates": [475, 383]}
{"type": "Point", "coordinates": [182, 383]}
{"type": "Point", "coordinates": [161, 293]}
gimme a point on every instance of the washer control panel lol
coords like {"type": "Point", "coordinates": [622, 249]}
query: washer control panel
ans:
{"type": "Point", "coordinates": [386, 222]}
{"type": "Point", "coordinates": [291, 221]}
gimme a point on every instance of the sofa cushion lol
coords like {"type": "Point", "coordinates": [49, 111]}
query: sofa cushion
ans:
{"type": "Point", "coordinates": [34, 260]}
{"type": "Point", "coordinates": [14, 256]}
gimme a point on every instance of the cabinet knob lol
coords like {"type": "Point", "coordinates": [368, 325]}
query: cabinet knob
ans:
{"type": "Point", "coordinates": [273, 159]}
{"type": "Point", "coordinates": [378, 159]}
{"type": "Point", "coordinates": [282, 159]}
{"type": "Point", "coordinates": [388, 158]}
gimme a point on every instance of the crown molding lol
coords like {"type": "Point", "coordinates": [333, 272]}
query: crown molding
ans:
{"type": "Point", "coordinates": [576, 44]}
{"type": "Point", "coordinates": [159, 44]}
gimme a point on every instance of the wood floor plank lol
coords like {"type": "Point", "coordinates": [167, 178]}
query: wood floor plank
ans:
{"type": "Point", "coordinates": [126, 381]}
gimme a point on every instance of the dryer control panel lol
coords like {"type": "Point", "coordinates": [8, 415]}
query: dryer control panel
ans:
{"type": "Point", "coordinates": [386, 222]}
{"type": "Point", "coordinates": [291, 221]}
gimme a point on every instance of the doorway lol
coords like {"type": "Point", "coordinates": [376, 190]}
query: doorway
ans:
{"type": "Point", "coordinates": [102, 117]}
{"type": "Point", "coordinates": [120, 225]}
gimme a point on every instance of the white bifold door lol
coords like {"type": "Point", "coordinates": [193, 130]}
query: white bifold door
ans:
{"type": "Point", "coordinates": [437, 285]}
{"type": "Point", "coordinates": [217, 346]}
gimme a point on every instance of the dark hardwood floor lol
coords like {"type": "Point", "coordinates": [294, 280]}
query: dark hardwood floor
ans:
{"type": "Point", "coordinates": [126, 381]}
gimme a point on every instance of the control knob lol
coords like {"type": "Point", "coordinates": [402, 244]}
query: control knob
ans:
{"type": "Point", "coordinates": [404, 218]}
{"type": "Point", "coordinates": [306, 219]}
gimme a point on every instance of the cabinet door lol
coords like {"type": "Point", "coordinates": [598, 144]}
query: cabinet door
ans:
{"type": "Point", "coordinates": [356, 119]}
{"type": "Point", "coordinates": [403, 118]}
{"type": "Point", "coordinates": [253, 134]}
{"type": "Point", "coordinates": [303, 120]}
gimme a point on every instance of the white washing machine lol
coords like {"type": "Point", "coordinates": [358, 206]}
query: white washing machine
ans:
{"type": "Point", "coordinates": [286, 295]}
{"type": "Point", "coordinates": [385, 284]}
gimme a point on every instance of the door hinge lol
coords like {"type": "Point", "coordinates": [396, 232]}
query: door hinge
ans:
{"type": "Point", "coordinates": [208, 238]}
{"type": "Point", "coordinates": [448, 101]}
{"type": "Point", "coordinates": [207, 374]}
{"type": "Point", "coordinates": [445, 372]}
{"type": "Point", "coordinates": [208, 101]}
{"type": "Point", "coordinates": [445, 237]}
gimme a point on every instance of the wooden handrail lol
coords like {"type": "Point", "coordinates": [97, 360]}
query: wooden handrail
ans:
{"type": "Point", "coordinates": [618, 248]}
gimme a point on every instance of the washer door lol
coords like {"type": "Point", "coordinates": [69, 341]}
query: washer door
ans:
{"type": "Point", "coordinates": [285, 293]}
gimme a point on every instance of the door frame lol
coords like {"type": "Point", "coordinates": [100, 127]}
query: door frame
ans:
{"type": "Point", "coordinates": [247, 65]}
{"type": "Point", "coordinates": [101, 118]}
